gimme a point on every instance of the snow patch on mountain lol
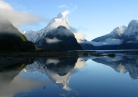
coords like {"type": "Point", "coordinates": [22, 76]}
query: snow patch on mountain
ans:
{"type": "Point", "coordinates": [118, 31]}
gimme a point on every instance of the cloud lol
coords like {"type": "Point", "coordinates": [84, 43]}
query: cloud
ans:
{"type": "Point", "coordinates": [70, 7]}
{"type": "Point", "coordinates": [106, 42]}
{"type": "Point", "coordinates": [54, 61]}
{"type": "Point", "coordinates": [63, 6]}
{"type": "Point", "coordinates": [54, 40]}
{"type": "Point", "coordinates": [66, 12]}
{"type": "Point", "coordinates": [17, 17]}
{"type": "Point", "coordinates": [113, 42]}
{"type": "Point", "coordinates": [80, 37]}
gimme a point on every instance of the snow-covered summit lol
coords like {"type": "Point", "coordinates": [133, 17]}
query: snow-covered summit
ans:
{"type": "Point", "coordinates": [118, 30]}
{"type": "Point", "coordinates": [60, 20]}
{"type": "Point", "coordinates": [132, 28]}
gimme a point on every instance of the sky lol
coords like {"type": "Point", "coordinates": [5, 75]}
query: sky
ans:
{"type": "Point", "coordinates": [93, 18]}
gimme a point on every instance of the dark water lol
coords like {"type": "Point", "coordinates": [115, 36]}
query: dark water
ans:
{"type": "Point", "coordinates": [69, 77]}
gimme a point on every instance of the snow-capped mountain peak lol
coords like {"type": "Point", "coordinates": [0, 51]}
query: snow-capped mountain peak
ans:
{"type": "Point", "coordinates": [118, 30]}
{"type": "Point", "coordinates": [61, 15]}
{"type": "Point", "coordinates": [60, 20]}
{"type": "Point", "coordinates": [133, 22]}
{"type": "Point", "coordinates": [132, 28]}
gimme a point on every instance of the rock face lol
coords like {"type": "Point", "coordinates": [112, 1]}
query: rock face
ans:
{"type": "Point", "coordinates": [12, 40]}
{"type": "Point", "coordinates": [60, 39]}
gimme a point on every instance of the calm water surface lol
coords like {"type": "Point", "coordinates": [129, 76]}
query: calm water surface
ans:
{"type": "Point", "coordinates": [70, 77]}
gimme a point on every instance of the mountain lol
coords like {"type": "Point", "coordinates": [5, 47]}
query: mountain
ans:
{"type": "Point", "coordinates": [60, 20]}
{"type": "Point", "coordinates": [87, 45]}
{"type": "Point", "coordinates": [115, 34]}
{"type": "Point", "coordinates": [57, 35]}
{"type": "Point", "coordinates": [120, 38]}
{"type": "Point", "coordinates": [121, 64]}
{"type": "Point", "coordinates": [60, 39]}
{"type": "Point", "coordinates": [132, 29]}
{"type": "Point", "coordinates": [31, 35]}
{"type": "Point", "coordinates": [12, 40]}
{"type": "Point", "coordinates": [113, 39]}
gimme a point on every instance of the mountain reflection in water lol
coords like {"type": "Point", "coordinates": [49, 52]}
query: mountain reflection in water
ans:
{"type": "Point", "coordinates": [19, 76]}
{"type": "Point", "coordinates": [59, 70]}
{"type": "Point", "coordinates": [122, 64]}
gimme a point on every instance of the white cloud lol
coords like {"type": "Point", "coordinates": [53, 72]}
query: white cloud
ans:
{"type": "Point", "coordinates": [80, 37]}
{"type": "Point", "coordinates": [17, 17]}
{"type": "Point", "coordinates": [66, 12]}
{"type": "Point", "coordinates": [68, 7]}
{"type": "Point", "coordinates": [54, 61]}
{"type": "Point", "coordinates": [113, 41]}
{"type": "Point", "coordinates": [63, 6]}
{"type": "Point", "coordinates": [107, 42]}
{"type": "Point", "coordinates": [53, 40]}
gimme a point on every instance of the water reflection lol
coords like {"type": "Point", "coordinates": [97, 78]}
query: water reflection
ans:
{"type": "Point", "coordinates": [19, 76]}
{"type": "Point", "coordinates": [10, 83]}
{"type": "Point", "coordinates": [59, 70]}
{"type": "Point", "coordinates": [122, 64]}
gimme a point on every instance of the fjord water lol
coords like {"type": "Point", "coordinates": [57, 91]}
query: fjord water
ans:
{"type": "Point", "coordinates": [70, 77]}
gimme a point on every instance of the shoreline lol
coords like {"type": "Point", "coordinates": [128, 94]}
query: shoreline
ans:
{"type": "Point", "coordinates": [62, 54]}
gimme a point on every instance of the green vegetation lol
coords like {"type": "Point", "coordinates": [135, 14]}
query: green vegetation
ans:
{"type": "Point", "coordinates": [15, 43]}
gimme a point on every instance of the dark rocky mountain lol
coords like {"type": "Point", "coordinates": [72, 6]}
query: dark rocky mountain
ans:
{"type": "Point", "coordinates": [60, 39]}
{"type": "Point", "coordinates": [11, 40]}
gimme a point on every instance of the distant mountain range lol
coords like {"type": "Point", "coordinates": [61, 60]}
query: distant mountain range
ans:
{"type": "Point", "coordinates": [120, 38]}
